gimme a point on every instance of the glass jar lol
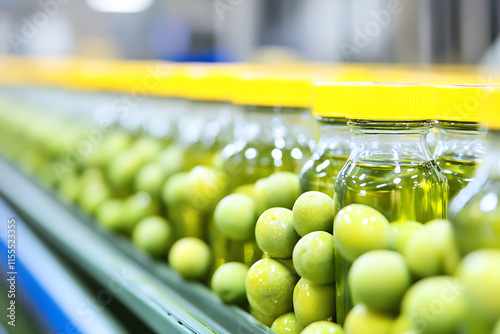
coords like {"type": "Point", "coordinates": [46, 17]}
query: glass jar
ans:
{"type": "Point", "coordinates": [276, 131]}
{"type": "Point", "coordinates": [204, 129]}
{"type": "Point", "coordinates": [461, 145]}
{"type": "Point", "coordinates": [335, 144]}
{"type": "Point", "coordinates": [390, 168]}
{"type": "Point", "coordinates": [475, 211]}
{"type": "Point", "coordinates": [274, 136]}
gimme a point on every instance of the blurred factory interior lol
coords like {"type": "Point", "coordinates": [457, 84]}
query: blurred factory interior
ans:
{"type": "Point", "coordinates": [414, 31]}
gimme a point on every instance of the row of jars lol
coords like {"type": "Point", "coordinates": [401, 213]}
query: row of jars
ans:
{"type": "Point", "coordinates": [374, 145]}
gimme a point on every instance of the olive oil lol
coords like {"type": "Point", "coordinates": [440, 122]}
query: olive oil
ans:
{"type": "Point", "coordinates": [319, 174]}
{"type": "Point", "coordinates": [458, 172]}
{"type": "Point", "coordinates": [404, 191]}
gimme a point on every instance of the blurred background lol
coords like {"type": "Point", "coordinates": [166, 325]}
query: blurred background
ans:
{"type": "Point", "coordinates": [415, 31]}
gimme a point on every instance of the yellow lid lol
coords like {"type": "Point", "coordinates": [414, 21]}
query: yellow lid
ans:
{"type": "Point", "coordinates": [274, 89]}
{"type": "Point", "coordinates": [131, 77]}
{"type": "Point", "coordinates": [330, 99]}
{"type": "Point", "coordinates": [490, 107]}
{"type": "Point", "coordinates": [387, 101]}
{"type": "Point", "coordinates": [459, 102]}
{"type": "Point", "coordinates": [212, 82]}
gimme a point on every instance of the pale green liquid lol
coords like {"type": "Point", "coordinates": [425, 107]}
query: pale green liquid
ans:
{"type": "Point", "coordinates": [458, 172]}
{"type": "Point", "coordinates": [321, 174]}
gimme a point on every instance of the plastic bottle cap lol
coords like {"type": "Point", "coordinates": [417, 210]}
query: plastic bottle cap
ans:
{"type": "Point", "coordinates": [459, 102]}
{"type": "Point", "coordinates": [490, 107]}
{"type": "Point", "coordinates": [388, 101]}
{"type": "Point", "coordinates": [211, 82]}
{"type": "Point", "coordinates": [330, 99]}
{"type": "Point", "coordinates": [274, 89]}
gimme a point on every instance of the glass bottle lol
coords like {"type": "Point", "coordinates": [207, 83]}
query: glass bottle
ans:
{"type": "Point", "coordinates": [390, 168]}
{"type": "Point", "coordinates": [274, 136]}
{"type": "Point", "coordinates": [461, 145]}
{"type": "Point", "coordinates": [475, 211]}
{"type": "Point", "coordinates": [276, 131]}
{"type": "Point", "coordinates": [335, 144]}
{"type": "Point", "coordinates": [204, 130]}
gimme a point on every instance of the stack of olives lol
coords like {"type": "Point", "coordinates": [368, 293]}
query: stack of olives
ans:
{"type": "Point", "coordinates": [407, 277]}
{"type": "Point", "coordinates": [292, 286]}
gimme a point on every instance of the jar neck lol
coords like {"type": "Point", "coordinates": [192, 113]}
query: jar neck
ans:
{"type": "Point", "coordinates": [448, 128]}
{"type": "Point", "coordinates": [276, 120]}
{"type": "Point", "coordinates": [260, 114]}
{"type": "Point", "coordinates": [461, 141]}
{"type": "Point", "coordinates": [390, 141]}
{"type": "Point", "coordinates": [336, 137]}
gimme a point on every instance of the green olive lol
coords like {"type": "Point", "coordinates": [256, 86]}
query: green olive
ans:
{"type": "Point", "coordinates": [228, 282]}
{"type": "Point", "coordinates": [313, 302]}
{"type": "Point", "coordinates": [235, 217]}
{"type": "Point", "coordinates": [153, 235]}
{"type": "Point", "coordinates": [123, 168]}
{"type": "Point", "coordinates": [205, 187]}
{"type": "Point", "coordinates": [313, 211]}
{"type": "Point", "coordinates": [435, 305]}
{"type": "Point", "coordinates": [269, 286]}
{"type": "Point", "coordinates": [323, 327]}
{"type": "Point", "coordinates": [110, 214]}
{"type": "Point", "coordinates": [275, 234]}
{"type": "Point", "coordinates": [402, 326]}
{"type": "Point", "coordinates": [174, 191]}
{"type": "Point", "coordinates": [172, 160]}
{"type": "Point", "coordinates": [480, 273]}
{"type": "Point", "coordinates": [314, 257]}
{"type": "Point", "coordinates": [137, 207]}
{"type": "Point", "coordinates": [93, 195]}
{"type": "Point", "coordinates": [379, 279]}
{"type": "Point", "coordinates": [287, 324]}
{"type": "Point", "coordinates": [146, 148]}
{"type": "Point", "coordinates": [70, 186]}
{"type": "Point", "coordinates": [358, 229]}
{"type": "Point", "coordinates": [432, 250]}
{"type": "Point", "coordinates": [190, 257]}
{"type": "Point", "coordinates": [360, 320]}
{"type": "Point", "coordinates": [246, 189]}
{"type": "Point", "coordinates": [403, 232]}
{"type": "Point", "coordinates": [266, 320]}
{"type": "Point", "coordinates": [281, 189]}
{"type": "Point", "coordinates": [150, 179]}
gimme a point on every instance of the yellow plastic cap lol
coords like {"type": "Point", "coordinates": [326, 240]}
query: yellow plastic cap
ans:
{"type": "Point", "coordinates": [274, 89]}
{"type": "Point", "coordinates": [330, 99]}
{"type": "Point", "coordinates": [388, 101]}
{"type": "Point", "coordinates": [460, 103]}
{"type": "Point", "coordinates": [490, 107]}
{"type": "Point", "coordinates": [211, 82]}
